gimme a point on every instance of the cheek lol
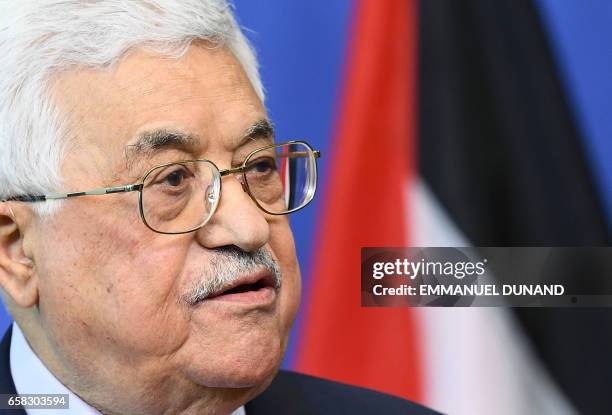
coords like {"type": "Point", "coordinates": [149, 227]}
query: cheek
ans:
{"type": "Point", "coordinates": [99, 285]}
{"type": "Point", "coordinates": [283, 247]}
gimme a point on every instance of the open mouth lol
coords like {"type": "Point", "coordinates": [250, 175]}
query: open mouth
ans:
{"type": "Point", "coordinates": [248, 289]}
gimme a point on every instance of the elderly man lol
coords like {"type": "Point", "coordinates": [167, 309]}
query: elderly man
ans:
{"type": "Point", "coordinates": [145, 252]}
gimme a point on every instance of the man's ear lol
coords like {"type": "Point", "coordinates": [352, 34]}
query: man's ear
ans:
{"type": "Point", "coordinates": [17, 277]}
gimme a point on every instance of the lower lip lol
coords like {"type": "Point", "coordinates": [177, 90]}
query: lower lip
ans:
{"type": "Point", "coordinates": [262, 296]}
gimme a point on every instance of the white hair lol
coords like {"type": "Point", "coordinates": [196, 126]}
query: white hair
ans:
{"type": "Point", "coordinates": [39, 38]}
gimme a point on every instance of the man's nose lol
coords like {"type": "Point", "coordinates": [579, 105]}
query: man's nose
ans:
{"type": "Point", "coordinates": [237, 221]}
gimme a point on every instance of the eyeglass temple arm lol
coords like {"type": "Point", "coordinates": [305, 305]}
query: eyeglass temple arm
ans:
{"type": "Point", "coordinates": [296, 154]}
{"type": "Point", "coordinates": [56, 196]}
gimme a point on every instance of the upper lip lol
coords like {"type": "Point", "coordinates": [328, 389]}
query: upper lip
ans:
{"type": "Point", "coordinates": [264, 278]}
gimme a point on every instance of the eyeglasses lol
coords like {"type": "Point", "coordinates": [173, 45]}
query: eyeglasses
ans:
{"type": "Point", "coordinates": [182, 196]}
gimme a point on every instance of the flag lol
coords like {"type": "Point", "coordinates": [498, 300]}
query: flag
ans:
{"type": "Point", "coordinates": [492, 135]}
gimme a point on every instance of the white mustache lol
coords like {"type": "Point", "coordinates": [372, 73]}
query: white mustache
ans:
{"type": "Point", "coordinates": [226, 265]}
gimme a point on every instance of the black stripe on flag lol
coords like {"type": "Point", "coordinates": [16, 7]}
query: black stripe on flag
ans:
{"type": "Point", "coordinates": [500, 149]}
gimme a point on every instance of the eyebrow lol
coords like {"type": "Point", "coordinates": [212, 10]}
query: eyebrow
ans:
{"type": "Point", "coordinates": [149, 142]}
{"type": "Point", "coordinates": [154, 140]}
{"type": "Point", "coordinates": [260, 129]}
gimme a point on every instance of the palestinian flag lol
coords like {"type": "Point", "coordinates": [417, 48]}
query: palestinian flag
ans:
{"type": "Point", "coordinates": [455, 128]}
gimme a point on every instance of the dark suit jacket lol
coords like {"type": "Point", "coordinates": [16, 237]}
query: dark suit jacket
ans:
{"type": "Point", "coordinates": [290, 393]}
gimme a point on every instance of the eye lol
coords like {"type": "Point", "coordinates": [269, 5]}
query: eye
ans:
{"type": "Point", "coordinates": [174, 178]}
{"type": "Point", "coordinates": [262, 165]}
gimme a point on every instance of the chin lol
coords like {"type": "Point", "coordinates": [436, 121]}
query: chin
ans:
{"type": "Point", "coordinates": [256, 366]}
{"type": "Point", "coordinates": [254, 375]}
{"type": "Point", "coordinates": [238, 368]}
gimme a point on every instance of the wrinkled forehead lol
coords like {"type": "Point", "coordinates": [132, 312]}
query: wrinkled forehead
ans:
{"type": "Point", "coordinates": [201, 102]}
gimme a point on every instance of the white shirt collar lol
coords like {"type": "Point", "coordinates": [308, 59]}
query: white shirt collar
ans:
{"type": "Point", "coordinates": [30, 375]}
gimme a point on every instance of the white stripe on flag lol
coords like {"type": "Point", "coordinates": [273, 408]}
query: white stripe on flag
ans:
{"type": "Point", "coordinates": [477, 361]}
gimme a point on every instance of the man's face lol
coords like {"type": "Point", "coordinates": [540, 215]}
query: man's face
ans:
{"type": "Point", "coordinates": [110, 289]}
